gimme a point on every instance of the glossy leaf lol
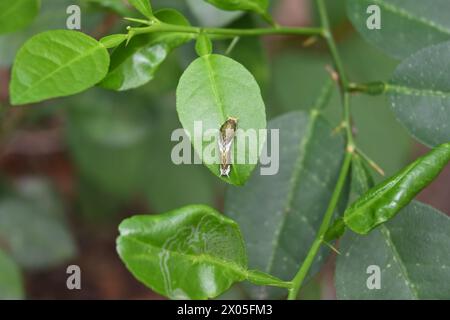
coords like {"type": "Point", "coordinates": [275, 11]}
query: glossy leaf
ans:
{"type": "Point", "coordinates": [11, 283]}
{"type": "Point", "coordinates": [57, 63]}
{"type": "Point", "coordinates": [17, 14]}
{"type": "Point", "coordinates": [272, 210]}
{"type": "Point", "coordinates": [411, 252]}
{"type": "Point", "coordinates": [143, 6]}
{"type": "Point", "coordinates": [405, 26]}
{"type": "Point", "coordinates": [385, 200]}
{"type": "Point", "coordinates": [33, 227]}
{"type": "Point", "coordinates": [51, 17]}
{"type": "Point", "coordinates": [212, 89]}
{"type": "Point", "coordinates": [189, 253]}
{"type": "Point", "coordinates": [134, 64]}
{"type": "Point", "coordinates": [419, 93]}
{"type": "Point", "coordinates": [258, 6]}
{"type": "Point", "coordinates": [210, 16]}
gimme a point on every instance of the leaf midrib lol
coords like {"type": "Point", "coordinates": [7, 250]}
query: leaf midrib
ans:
{"type": "Point", "coordinates": [203, 257]}
{"type": "Point", "coordinates": [293, 184]}
{"type": "Point", "coordinates": [416, 92]}
{"type": "Point", "coordinates": [217, 98]}
{"type": "Point", "coordinates": [58, 69]}
{"type": "Point", "coordinates": [390, 244]}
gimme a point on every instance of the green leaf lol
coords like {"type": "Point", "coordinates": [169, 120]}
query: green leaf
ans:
{"type": "Point", "coordinates": [33, 228]}
{"type": "Point", "coordinates": [11, 283]}
{"type": "Point", "coordinates": [203, 46]}
{"type": "Point", "coordinates": [134, 64]}
{"type": "Point", "coordinates": [212, 89]}
{"type": "Point", "coordinates": [406, 26]}
{"type": "Point", "coordinates": [113, 40]}
{"type": "Point", "coordinates": [258, 6]}
{"type": "Point", "coordinates": [57, 63]}
{"type": "Point", "coordinates": [209, 16]}
{"type": "Point", "coordinates": [17, 14]}
{"type": "Point", "coordinates": [272, 210]}
{"type": "Point", "coordinates": [51, 17]}
{"type": "Point", "coordinates": [411, 251]}
{"type": "Point", "coordinates": [189, 253]}
{"type": "Point", "coordinates": [143, 6]}
{"type": "Point", "coordinates": [419, 93]}
{"type": "Point", "coordinates": [385, 200]}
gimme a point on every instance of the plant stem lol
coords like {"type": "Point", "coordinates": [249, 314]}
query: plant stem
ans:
{"type": "Point", "coordinates": [350, 149]}
{"type": "Point", "coordinates": [303, 271]}
{"type": "Point", "coordinates": [163, 27]}
{"type": "Point", "coordinates": [331, 44]}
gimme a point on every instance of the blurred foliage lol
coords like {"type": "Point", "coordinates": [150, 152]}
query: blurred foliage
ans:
{"type": "Point", "coordinates": [33, 227]}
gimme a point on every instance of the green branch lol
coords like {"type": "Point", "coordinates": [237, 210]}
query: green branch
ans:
{"type": "Point", "coordinates": [345, 168]}
{"type": "Point", "coordinates": [164, 27]}
{"type": "Point", "coordinates": [303, 271]}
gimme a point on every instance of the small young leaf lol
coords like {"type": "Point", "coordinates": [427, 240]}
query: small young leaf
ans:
{"type": "Point", "coordinates": [113, 40]}
{"type": "Point", "coordinates": [361, 182]}
{"type": "Point", "coordinates": [143, 6]}
{"type": "Point", "coordinates": [11, 283]}
{"type": "Point", "coordinates": [212, 89]}
{"type": "Point", "coordinates": [258, 6]}
{"type": "Point", "coordinates": [383, 202]}
{"type": "Point", "coordinates": [192, 252]}
{"type": "Point", "coordinates": [17, 14]}
{"type": "Point", "coordinates": [410, 252]}
{"type": "Point", "coordinates": [419, 93]}
{"type": "Point", "coordinates": [135, 64]}
{"type": "Point", "coordinates": [403, 26]}
{"type": "Point", "coordinates": [272, 210]}
{"type": "Point", "coordinates": [55, 64]}
{"type": "Point", "coordinates": [203, 46]}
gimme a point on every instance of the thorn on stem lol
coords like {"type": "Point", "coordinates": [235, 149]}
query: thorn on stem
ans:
{"type": "Point", "coordinates": [332, 247]}
{"type": "Point", "coordinates": [333, 74]}
{"type": "Point", "coordinates": [309, 41]}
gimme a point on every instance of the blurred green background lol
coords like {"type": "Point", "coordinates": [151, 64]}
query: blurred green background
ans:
{"type": "Point", "coordinates": [72, 168]}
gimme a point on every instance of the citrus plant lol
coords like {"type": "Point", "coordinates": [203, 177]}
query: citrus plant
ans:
{"type": "Point", "coordinates": [276, 231]}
